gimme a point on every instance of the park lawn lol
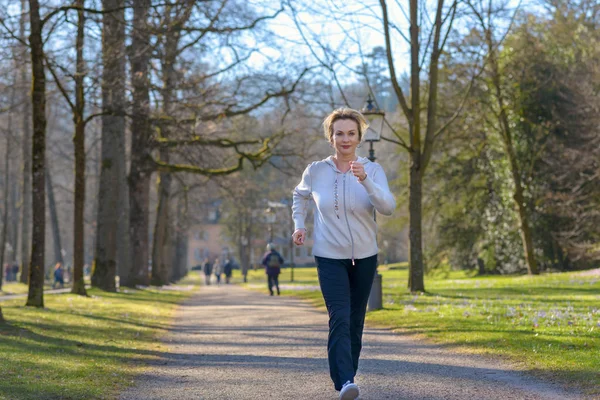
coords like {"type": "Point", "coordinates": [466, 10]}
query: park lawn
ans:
{"type": "Point", "coordinates": [547, 324]}
{"type": "Point", "coordinates": [84, 348]}
{"type": "Point", "coordinates": [9, 288]}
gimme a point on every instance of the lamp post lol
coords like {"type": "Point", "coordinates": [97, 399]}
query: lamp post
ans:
{"type": "Point", "coordinates": [270, 219]}
{"type": "Point", "coordinates": [375, 117]}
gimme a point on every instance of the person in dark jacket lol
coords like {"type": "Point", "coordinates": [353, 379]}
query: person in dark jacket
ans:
{"type": "Point", "coordinates": [207, 269]}
{"type": "Point", "coordinates": [227, 270]}
{"type": "Point", "coordinates": [15, 271]}
{"type": "Point", "coordinates": [272, 261]}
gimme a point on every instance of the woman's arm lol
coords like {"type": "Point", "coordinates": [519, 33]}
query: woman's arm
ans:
{"type": "Point", "coordinates": [301, 196]}
{"type": "Point", "coordinates": [379, 191]}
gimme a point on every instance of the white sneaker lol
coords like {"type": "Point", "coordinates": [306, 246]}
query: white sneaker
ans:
{"type": "Point", "coordinates": [349, 391]}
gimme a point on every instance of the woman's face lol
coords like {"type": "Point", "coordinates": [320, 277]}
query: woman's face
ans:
{"type": "Point", "coordinates": [345, 137]}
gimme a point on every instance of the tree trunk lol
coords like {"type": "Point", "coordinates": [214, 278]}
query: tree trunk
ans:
{"type": "Point", "coordinates": [123, 233]}
{"type": "Point", "coordinates": [113, 131]}
{"type": "Point", "coordinates": [140, 171]}
{"type": "Point", "coordinates": [506, 134]}
{"type": "Point", "coordinates": [5, 190]}
{"type": "Point", "coordinates": [180, 262]}
{"type": "Point", "coordinates": [26, 168]}
{"type": "Point", "coordinates": [58, 257]}
{"type": "Point", "coordinates": [35, 296]}
{"type": "Point", "coordinates": [13, 231]}
{"type": "Point", "coordinates": [160, 268]}
{"type": "Point", "coordinates": [139, 193]}
{"type": "Point", "coordinates": [160, 249]}
{"type": "Point", "coordinates": [415, 280]}
{"type": "Point", "coordinates": [79, 147]}
{"type": "Point", "coordinates": [119, 100]}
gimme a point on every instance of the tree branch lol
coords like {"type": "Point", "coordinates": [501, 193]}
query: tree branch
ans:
{"type": "Point", "coordinates": [388, 47]}
{"type": "Point", "coordinates": [268, 96]}
{"type": "Point", "coordinates": [58, 83]}
{"type": "Point", "coordinates": [163, 143]}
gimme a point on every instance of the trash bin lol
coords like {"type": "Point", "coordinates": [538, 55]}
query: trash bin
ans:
{"type": "Point", "coordinates": [376, 296]}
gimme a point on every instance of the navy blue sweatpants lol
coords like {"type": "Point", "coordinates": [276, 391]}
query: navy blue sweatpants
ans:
{"type": "Point", "coordinates": [346, 289]}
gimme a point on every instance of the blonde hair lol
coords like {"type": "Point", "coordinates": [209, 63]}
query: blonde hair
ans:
{"type": "Point", "coordinates": [344, 113]}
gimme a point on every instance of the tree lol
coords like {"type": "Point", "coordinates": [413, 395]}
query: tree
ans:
{"type": "Point", "coordinates": [140, 168]}
{"type": "Point", "coordinates": [5, 196]}
{"type": "Point", "coordinates": [198, 121]}
{"type": "Point", "coordinates": [174, 19]}
{"type": "Point", "coordinates": [38, 100]}
{"type": "Point", "coordinates": [554, 112]}
{"type": "Point", "coordinates": [26, 151]}
{"type": "Point", "coordinates": [112, 245]}
{"type": "Point", "coordinates": [79, 146]}
{"type": "Point", "coordinates": [505, 131]}
{"type": "Point", "coordinates": [77, 108]}
{"type": "Point", "coordinates": [420, 143]}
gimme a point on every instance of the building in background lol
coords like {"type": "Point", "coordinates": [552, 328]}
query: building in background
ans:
{"type": "Point", "coordinates": [207, 238]}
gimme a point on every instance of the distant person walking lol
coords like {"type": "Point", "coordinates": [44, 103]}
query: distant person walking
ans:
{"type": "Point", "coordinates": [15, 271]}
{"type": "Point", "coordinates": [218, 270]}
{"type": "Point", "coordinates": [207, 269]}
{"type": "Point", "coordinates": [272, 261]}
{"type": "Point", "coordinates": [347, 190]}
{"type": "Point", "coordinates": [228, 270]}
{"type": "Point", "coordinates": [59, 276]}
{"type": "Point", "coordinates": [7, 272]}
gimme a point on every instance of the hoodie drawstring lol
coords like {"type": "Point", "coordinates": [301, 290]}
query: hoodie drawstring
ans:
{"type": "Point", "coordinates": [336, 203]}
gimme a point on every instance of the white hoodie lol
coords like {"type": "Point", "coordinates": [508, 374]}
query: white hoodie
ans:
{"type": "Point", "coordinates": [347, 231]}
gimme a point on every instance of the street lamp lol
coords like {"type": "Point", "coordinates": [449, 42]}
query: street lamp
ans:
{"type": "Point", "coordinates": [270, 219]}
{"type": "Point", "coordinates": [375, 117]}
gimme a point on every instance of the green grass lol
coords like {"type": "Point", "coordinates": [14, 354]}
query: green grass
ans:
{"type": "Point", "coordinates": [18, 288]}
{"type": "Point", "coordinates": [10, 288]}
{"type": "Point", "coordinates": [547, 324]}
{"type": "Point", "coordinates": [83, 348]}
{"type": "Point", "coordinates": [92, 348]}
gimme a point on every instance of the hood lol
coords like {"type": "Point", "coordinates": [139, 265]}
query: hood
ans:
{"type": "Point", "coordinates": [330, 162]}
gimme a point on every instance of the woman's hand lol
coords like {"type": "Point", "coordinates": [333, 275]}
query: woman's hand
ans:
{"type": "Point", "coordinates": [298, 236]}
{"type": "Point", "coordinates": [358, 170]}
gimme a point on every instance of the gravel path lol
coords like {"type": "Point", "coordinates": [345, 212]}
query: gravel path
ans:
{"type": "Point", "coordinates": [231, 343]}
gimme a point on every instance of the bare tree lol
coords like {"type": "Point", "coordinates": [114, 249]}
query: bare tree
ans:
{"type": "Point", "coordinates": [423, 130]}
{"type": "Point", "coordinates": [79, 146]}
{"type": "Point", "coordinates": [219, 103]}
{"type": "Point", "coordinates": [111, 233]}
{"type": "Point", "coordinates": [78, 109]}
{"type": "Point", "coordinates": [38, 169]}
{"type": "Point", "coordinates": [26, 151]}
{"type": "Point", "coordinates": [174, 19]}
{"type": "Point", "coordinates": [6, 195]}
{"type": "Point", "coordinates": [140, 169]}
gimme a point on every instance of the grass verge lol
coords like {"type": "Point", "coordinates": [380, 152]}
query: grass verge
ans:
{"type": "Point", "coordinates": [84, 348]}
{"type": "Point", "coordinates": [547, 324]}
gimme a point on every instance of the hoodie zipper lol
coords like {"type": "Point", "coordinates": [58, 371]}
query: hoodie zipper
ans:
{"type": "Point", "coordinates": [346, 215]}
